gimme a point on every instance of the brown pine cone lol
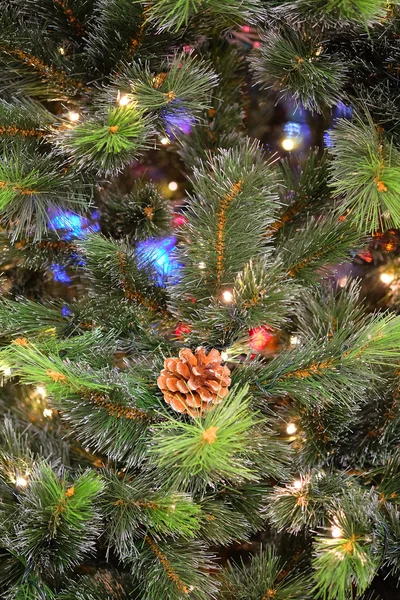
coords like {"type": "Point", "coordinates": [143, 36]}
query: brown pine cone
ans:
{"type": "Point", "coordinates": [194, 383]}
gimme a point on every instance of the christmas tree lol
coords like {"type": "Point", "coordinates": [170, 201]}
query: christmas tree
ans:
{"type": "Point", "coordinates": [200, 388]}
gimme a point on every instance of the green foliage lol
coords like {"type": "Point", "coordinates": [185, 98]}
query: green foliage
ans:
{"type": "Point", "coordinates": [133, 509]}
{"type": "Point", "coordinates": [196, 453]}
{"type": "Point", "coordinates": [298, 66]}
{"type": "Point", "coordinates": [32, 184]}
{"type": "Point", "coordinates": [336, 10]}
{"type": "Point", "coordinates": [172, 15]}
{"type": "Point", "coordinates": [351, 560]}
{"type": "Point", "coordinates": [107, 142]}
{"type": "Point", "coordinates": [141, 214]}
{"type": "Point", "coordinates": [266, 577]}
{"type": "Point", "coordinates": [366, 175]}
{"type": "Point", "coordinates": [58, 523]}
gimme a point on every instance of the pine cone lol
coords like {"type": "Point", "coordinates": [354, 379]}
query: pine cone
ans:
{"type": "Point", "coordinates": [194, 383]}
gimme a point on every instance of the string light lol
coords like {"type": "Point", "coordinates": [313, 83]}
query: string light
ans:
{"type": "Point", "coordinates": [287, 144]}
{"type": "Point", "coordinates": [61, 51]}
{"type": "Point", "coordinates": [291, 429]}
{"type": "Point", "coordinates": [73, 116]}
{"type": "Point", "coordinates": [173, 507]}
{"type": "Point", "coordinates": [224, 356]}
{"type": "Point", "coordinates": [48, 412]}
{"type": "Point", "coordinates": [336, 532]}
{"type": "Point", "coordinates": [298, 484]}
{"type": "Point", "coordinates": [123, 100]}
{"type": "Point", "coordinates": [165, 141]}
{"type": "Point", "coordinates": [21, 481]}
{"type": "Point", "coordinates": [7, 371]}
{"type": "Point", "coordinates": [202, 265]}
{"type": "Point", "coordinates": [294, 340]}
{"type": "Point", "coordinates": [227, 296]}
{"type": "Point", "coordinates": [173, 186]}
{"type": "Point", "coordinates": [41, 391]}
{"type": "Point", "coordinates": [342, 281]}
{"type": "Point", "coordinates": [387, 278]}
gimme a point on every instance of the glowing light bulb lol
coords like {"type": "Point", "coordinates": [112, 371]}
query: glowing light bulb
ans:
{"type": "Point", "coordinates": [48, 412]}
{"type": "Point", "coordinates": [287, 144]}
{"type": "Point", "coordinates": [173, 186]}
{"type": "Point", "coordinates": [387, 278]}
{"type": "Point", "coordinates": [165, 141]}
{"type": "Point", "coordinates": [291, 429]}
{"type": "Point", "coordinates": [41, 391]}
{"type": "Point", "coordinates": [21, 481]}
{"type": "Point", "coordinates": [61, 51]}
{"type": "Point", "coordinates": [123, 100]}
{"type": "Point", "coordinates": [224, 356]}
{"type": "Point", "coordinates": [294, 340]}
{"type": "Point", "coordinates": [298, 484]}
{"type": "Point", "coordinates": [202, 265]}
{"type": "Point", "coordinates": [336, 532]}
{"type": "Point", "coordinates": [342, 281]}
{"type": "Point", "coordinates": [173, 506]}
{"type": "Point", "coordinates": [227, 296]}
{"type": "Point", "coordinates": [7, 371]}
{"type": "Point", "coordinates": [73, 116]}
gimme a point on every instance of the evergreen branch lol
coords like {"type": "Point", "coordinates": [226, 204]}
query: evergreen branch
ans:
{"type": "Point", "coordinates": [297, 66]}
{"type": "Point", "coordinates": [366, 175]}
{"type": "Point", "coordinates": [266, 578]}
{"type": "Point", "coordinates": [54, 517]}
{"type": "Point", "coordinates": [316, 247]}
{"type": "Point", "coordinates": [332, 11]}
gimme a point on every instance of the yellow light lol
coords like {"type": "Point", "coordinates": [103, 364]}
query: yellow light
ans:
{"type": "Point", "coordinates": [61, 50]}
{"type": "Point", "coordinates": [173, 507]}
{"type": "Point", "coordinates": [41, 390]}
{"type": "Point", "coordinates": [298, 484]}
{"type": "Point", "coordinates": [73, 116]}
{"type": "Point", "coordinates": [48, 412]}
{"type": "Point", "coordinates": [342, 281]}
{"type": "Point", "coordinates": [224, 356]}
{"type": "Point", "coordinates": [165, 141]}
{"type": "Point", "coordinates": [123, 100]}
{"type": "Point", "coordinates": [21, 481]}
{"type": "Point", "coordinates": [173, 186]}
{"type": "Point", "coordinates": [294, 340]}
{"type": "Point", "coordinates": [227, 296]}
{"type": "Point", "coordinates": [288, 144]}
{"type": "Point", "coordinates": [387, 278]}
{"type": "Point", "coordinates": [202, 265]}
{"type": "Point", "coordinates": [291, 429]}
{"type": "Point", "coordinates": [336, 532]}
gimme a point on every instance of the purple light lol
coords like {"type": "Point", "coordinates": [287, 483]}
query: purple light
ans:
{"type": "Point", "coordinates": [158, 253]}
{"type": "Point", "coordinates": [177, 119]}
{"type": "Point", "coordinates": [60, 273]}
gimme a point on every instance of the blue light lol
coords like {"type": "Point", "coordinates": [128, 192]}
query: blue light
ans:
{"type": "Point", "coordinates": [60, 273]}
{"type": "Point", "coordinates": [66, 311]}
{"type": "Point", "coordinates": [292, 129]}
{"type": "Point", "coordinates": [342, 111]}
{"type": "Point", "coordinates": [158, 253]}
{"type": "Point", "coordinates": [75, 226]}
{"type": "Point", "coordinates": [328, 142]}
{"type": "Point", "coordinates": [177, 119]}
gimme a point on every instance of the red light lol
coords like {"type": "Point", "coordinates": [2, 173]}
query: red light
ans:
{"type": "Point", "coordinates": [246, 29]}
{"type": "Point", "coordinates": [182, 330]}
{"type": "Point", "coordinates": [260, 337]}
{"type": "Point", "coordinates": [257, 45]}
{"type": "Point", "coordinates": [178, 220]}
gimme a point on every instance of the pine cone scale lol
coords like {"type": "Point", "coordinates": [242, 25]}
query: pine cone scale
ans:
{"type": "Point", "coordinates": [194, 383]}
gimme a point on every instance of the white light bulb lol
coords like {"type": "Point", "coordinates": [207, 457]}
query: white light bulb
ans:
{"type": "Point", "coordinates": [336, 532]}
{"type": "Point", "coordinates": [165, 141]}
{"type": "Point", "coordinates": [41, 390]}
{"type": "Point", "coordinates": [288, 144]}
{"type": "Point", "coordinates": [202, 265]}
{"type": "Point", "coordinates": [227, 296]}
{"type": "Point", "coordinates": [173, 186]}
{"type": "Point", "coordinates": [73, 116]}
{"type": "Point", "coordinates": [7, 371]}
{"type": "Point", "coordinates": [21, 481]}
{"type": "Point", "coordinates": [342, 281]}
{"type": "Point", "coordinates": [61, 51]}
{"type": "Point", "coordinates": [294, 340]}
{"type": "Point", "coordinates": [48, 412]}
{"type": "Point", "coordinates": [291, 429]}
{"type": "Point", "coordinates": [123, 100]}
{"type": "Point", "coordinates": [224, 356]}
{"type": "Point", "coordinates": [173, 506]}
{"type": "Point", "coordinates": [387, 278]}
